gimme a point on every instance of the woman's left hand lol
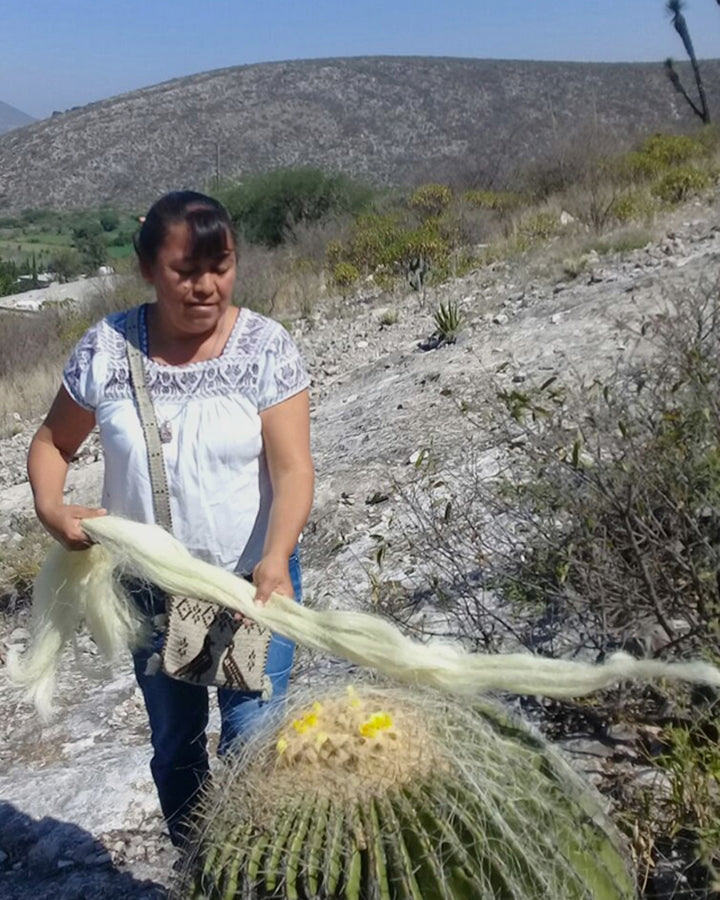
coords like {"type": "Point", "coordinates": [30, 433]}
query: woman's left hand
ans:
{"type": "Point", "coordinates": [272, 575]}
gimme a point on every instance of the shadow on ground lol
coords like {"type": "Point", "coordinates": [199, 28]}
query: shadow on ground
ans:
{"type": "Point", "coordinates": [48, 859]}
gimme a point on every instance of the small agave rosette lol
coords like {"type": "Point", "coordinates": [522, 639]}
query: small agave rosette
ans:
{"type": "Point", "coordinates": [381, 793]}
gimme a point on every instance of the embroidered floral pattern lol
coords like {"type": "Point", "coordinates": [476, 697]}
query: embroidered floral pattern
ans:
{"type": "Point", "coordinates": [260, 361]}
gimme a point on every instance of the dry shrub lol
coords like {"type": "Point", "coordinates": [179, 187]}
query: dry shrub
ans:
{"type": "Point", "coordinates": [276, 282]}
{"type": "Point", "coordinates": [572, 160]}
{"type": "Point", "coordinates": [26, 395]}
{"type": "Point", "coordinates": [34, 346]}
{"type": "Point", "coordinates": [473, 224]}
{"type": "Point", "coordinates": [262, 277]}
{"type": "Point", "coordinates": [20, 559]}
{"type": "Point", "coordinates": [622, 506]}
{"type": "Point", "coordinates": [580, 174]}
{"type": "Point", "coordinates": [599, 529]}
{"type": "Point", "coordinates": [606, 520]}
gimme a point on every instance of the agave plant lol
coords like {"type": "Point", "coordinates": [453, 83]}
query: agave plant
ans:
{"type": "Point", "coordinates": [448, 321]}
{"type": "Point", "coordinates": [383, 794]}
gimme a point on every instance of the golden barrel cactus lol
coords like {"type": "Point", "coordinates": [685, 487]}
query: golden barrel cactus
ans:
{"type": "Point", "coordinates": [382, 794]}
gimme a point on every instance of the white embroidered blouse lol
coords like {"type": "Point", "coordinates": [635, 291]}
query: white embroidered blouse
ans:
{"type": "Point", "coordinates": [220, 492]}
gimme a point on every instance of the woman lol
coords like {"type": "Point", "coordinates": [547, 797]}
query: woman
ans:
{"type": "Point", "coordinates": [230, 397]}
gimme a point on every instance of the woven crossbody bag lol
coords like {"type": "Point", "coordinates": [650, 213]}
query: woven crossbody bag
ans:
{"type": "Point", "coordinates": [203, 642]}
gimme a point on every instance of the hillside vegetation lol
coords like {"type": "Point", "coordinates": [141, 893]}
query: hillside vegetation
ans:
{"type": "Point", "coordinates": [389, 120]}
{"type": "Point", "coordinates": [306, 238]}
{"type": "Point", "coordinates": [60, 244]}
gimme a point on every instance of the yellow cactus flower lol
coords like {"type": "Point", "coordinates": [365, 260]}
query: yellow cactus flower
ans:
{"type": "Point", "coordinates": [353, 699]}
{"type": "Point", "coordinates": [368, 730]}
{"type": "Point", "coordinates": [281, 746]}
{"type": "Point", "coordinates": [305, 723]}
{"type": "Point", "coordinates": [378, 722]}
{"type": "Point", "coordinates": [382, 721]}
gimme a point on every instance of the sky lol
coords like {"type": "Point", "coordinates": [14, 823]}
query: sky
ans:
{"type": "Point", "coordinates": [55, 54]}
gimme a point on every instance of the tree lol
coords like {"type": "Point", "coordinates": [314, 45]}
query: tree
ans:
{"type": "Point", "coordinates": [674, 9]}
{"type": "Point", "coordinates": [88, 240]}
{"type": "Point", "coordinates": [66, 264]}
{"type": "Point", "coordinates": [267, 207]}
{"type": "Point", "coordinates": [8, 277]}
{"type": "Point", "coordinates": [109, 219]}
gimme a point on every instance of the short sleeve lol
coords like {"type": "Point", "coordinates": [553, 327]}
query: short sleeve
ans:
{"type": "Point", "coordinates": [81, 373]}
{"type": "Point", "coordinates": [282, 372]}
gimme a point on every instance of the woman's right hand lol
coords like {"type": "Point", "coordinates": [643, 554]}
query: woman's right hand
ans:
{"type": "Point", "coordinates": [63, 523]}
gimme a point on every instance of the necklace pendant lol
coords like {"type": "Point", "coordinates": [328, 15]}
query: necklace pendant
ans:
{"type": "Point", "coordinates": [165, 431]}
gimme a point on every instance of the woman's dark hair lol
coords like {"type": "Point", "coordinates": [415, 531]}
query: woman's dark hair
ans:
{"type": "Point", "coordinates": [209, 223]}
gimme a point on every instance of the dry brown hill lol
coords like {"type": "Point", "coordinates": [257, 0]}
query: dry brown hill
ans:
{"type": "Point", "coordinates": [388, 119]}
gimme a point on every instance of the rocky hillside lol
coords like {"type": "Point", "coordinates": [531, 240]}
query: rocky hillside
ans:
{"type": "Point", "coordinates": [79, 816]}
{"type": "Point", "coordinates": [10, 118]}
{"type": "Point", "coordinates": [386, 119]}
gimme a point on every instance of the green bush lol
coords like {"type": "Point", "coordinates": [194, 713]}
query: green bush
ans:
{"type": "Point", "coordinates": [109, 219]}
{"type": "Point", "coordinates": [66, 263]}
{"type": "Point", "coordinates": [8, 277]}
{"type": "Point", "coordinates": [631, 206]}
{"type": "Point", "coordinates": [89, 241]}
{"type": "Point", "coordinates": [430, 200]}
{"type": "Point", "coordinates": [672, 149]}
{"type": "Point", "coordinates": [370, 239]}
{"type": "Point", "coordinates": [386, 246]}
{"type": "Point", "coordinates": [345, 275]}
{"type": "Point", "coordinates": [691, 763]}
{"type": "Point", "coordinates": [678, 185]}
{"type": "Point", "coordinates": [425, 242]}
{"type": "Point", "coordinates": [657, 155]}
{"type": "Point", "coordinates": [266, 208]}
{"type": "Point", "coordinates": [536, 229]}
{"type": "Point", "coordinates": [498, 200]}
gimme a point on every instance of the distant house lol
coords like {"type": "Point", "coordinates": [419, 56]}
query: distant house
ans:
{"type": "Point", "coordinates": [40, 278]}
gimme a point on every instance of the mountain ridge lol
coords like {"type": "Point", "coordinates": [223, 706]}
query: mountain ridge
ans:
{"type": "Point", "coordinates": [386, 119]}
{"type": "Point", "coordinates": [11, 117]}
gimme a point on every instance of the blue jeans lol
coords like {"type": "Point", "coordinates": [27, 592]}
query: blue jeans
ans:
{"type": "Point", "coordinates": [178, 714]}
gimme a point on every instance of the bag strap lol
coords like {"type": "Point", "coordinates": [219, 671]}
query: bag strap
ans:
{"type": "Point", "coordinates": [146, 413]}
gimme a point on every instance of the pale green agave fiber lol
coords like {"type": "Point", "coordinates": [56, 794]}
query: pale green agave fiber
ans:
{"type": "Point", "coordinates": [446, 802]}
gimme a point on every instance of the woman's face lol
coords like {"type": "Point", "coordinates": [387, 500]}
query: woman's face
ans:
{"type": "Point", "coordinates": [192, 294]}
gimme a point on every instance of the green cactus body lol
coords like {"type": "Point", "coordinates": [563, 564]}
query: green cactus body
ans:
{"type": "Point", "coordinates": [380, 794]}
{"type": "Point", "coordinates": [334, 852]}
{"type": "Point", "coordinates": [256, 856]}
{"type": "Point", "coordinates": [400, 861]}
{"type": "Point", "coordinates": [298, 840]}
{"type": "Point", "coordinates": [314, 847]}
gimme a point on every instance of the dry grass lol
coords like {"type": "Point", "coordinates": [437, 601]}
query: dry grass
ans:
{"type": "Point", "coordinates": [35, 346]}
{"type": "Point", "coordinates": [20, 559]}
